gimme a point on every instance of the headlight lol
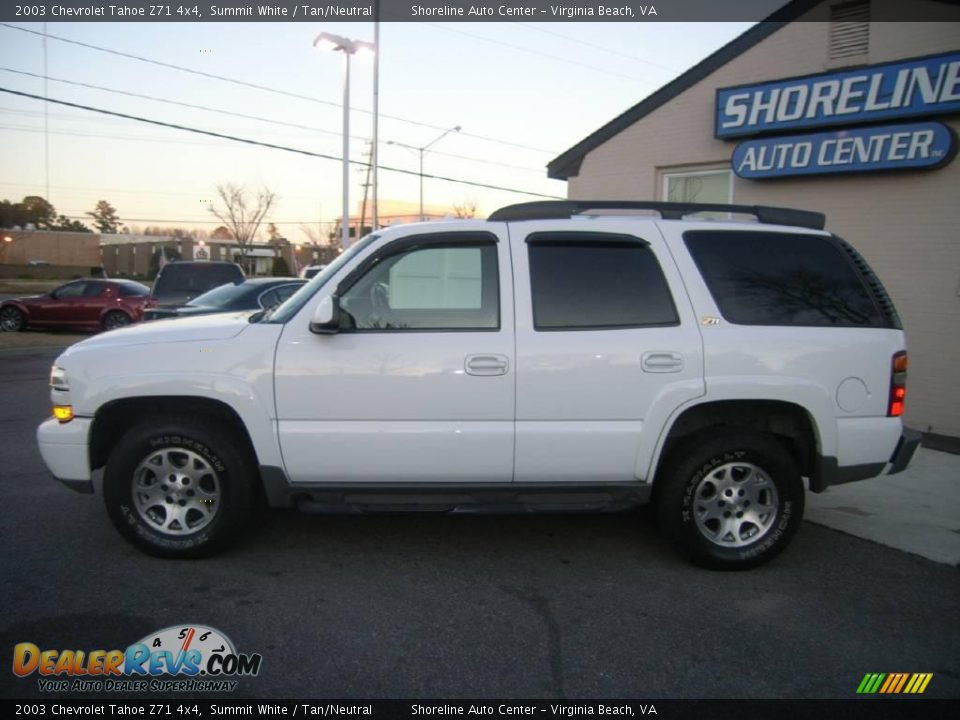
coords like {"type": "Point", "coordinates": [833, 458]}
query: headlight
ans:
{"type": "Point", "coordinates": [58, 379]}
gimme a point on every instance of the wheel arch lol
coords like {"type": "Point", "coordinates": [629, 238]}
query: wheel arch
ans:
{"type": "Point", "coordinates": [114, 418]}
{"type": "Point", "coordinates": [791, 423]}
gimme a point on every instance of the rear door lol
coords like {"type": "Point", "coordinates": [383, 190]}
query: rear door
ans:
{"type": "Point", "coordinates": [605, 339]}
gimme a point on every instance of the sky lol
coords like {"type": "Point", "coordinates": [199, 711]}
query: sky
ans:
{"type": "Point", "coordinates": [521, 92]}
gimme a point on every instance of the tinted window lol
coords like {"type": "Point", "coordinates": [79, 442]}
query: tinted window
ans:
{"type": "Point", "coordinates": [220, 296]}
{"type": "Point", "coordinates": [73, 290]}
{"type": "Point", "coordinates": [768, 278]}
{"type": "Point", "coordinates": [134, 290]}
{"type": "Point", "coordinates": [441, 286]}
{"type": "Point", "coordinates": [582, 281]}
{"type": "Point", "coordinates": [181, 279]}
{"type": "Point", "coordinates": [93, 289]}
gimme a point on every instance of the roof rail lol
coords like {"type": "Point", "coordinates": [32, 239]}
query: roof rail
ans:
{"type": "Point", "coordinates": [557, 209]}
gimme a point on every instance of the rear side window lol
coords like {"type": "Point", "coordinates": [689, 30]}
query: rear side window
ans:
{"type": "Point", "coordinates": [769, 278]}
{"type": "Point", "coordinates": [194, 278]}
{"type": "Point", "coordinates": [134, 290]}
{"type": "Point", "coordinates": [584, 281]}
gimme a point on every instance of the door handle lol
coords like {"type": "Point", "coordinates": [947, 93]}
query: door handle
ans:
{"type": "Point", "coordinates": [486, 364]}
{"type": "Point", "coordinates": [661, 361]}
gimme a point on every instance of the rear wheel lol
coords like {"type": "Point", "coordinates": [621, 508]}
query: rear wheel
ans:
{"type": "Point", "coordinates": [732, 502]}
{"type": "Point", "coordinates": [115, 319]}
{"type": "Point", "coordinates": [180, 487]}
{"type": "Point", "coordinates": [12, 319]}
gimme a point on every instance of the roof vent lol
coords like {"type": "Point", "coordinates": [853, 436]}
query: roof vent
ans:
{"type": "Point", "coordinates": [849, 29]}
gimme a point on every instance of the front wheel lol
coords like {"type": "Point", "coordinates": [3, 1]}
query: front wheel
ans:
{"type": "Point", "coordinates": [180, 487]}
{"type": "Point", "coordinates": [732, 502]}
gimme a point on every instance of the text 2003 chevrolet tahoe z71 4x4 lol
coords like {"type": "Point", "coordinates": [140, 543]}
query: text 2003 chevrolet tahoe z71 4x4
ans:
{"type": "Point", "coordinates": [544, 359]}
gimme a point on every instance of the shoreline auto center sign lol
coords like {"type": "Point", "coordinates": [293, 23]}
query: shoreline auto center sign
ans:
{"type": "Point", "coordinates": [891, 91]}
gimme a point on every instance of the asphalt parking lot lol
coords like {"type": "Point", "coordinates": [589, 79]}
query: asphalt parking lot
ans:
{"type": "Point", "coordinates": [433, 606]}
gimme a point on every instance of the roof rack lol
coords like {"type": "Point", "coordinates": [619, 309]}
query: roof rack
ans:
{"type": "Point", "coordinates": [557, 209]}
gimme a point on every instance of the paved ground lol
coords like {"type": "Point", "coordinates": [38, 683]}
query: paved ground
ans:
{"type": "Point", "coordinates": [917, 510]}
{"type": "Point", "coordinates": [445, 606]}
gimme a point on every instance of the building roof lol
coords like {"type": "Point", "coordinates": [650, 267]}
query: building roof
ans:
{"type": "Point", "coordinates": [567, 164]}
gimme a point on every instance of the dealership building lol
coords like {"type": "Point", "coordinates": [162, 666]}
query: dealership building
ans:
{"type": "Point", "coordinates": [822, 110]}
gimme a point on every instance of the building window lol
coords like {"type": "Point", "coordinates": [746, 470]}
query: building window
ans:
{"type": "Point", "coordinates": [849, 29]}
{"type": "Point", "coordinates": [703, 186]}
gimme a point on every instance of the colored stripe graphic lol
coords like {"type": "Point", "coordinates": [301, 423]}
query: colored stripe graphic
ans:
{"type": "Point", "coordinates": [894, 683]}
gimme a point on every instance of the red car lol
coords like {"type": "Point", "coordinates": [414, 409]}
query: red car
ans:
{"type": "Point", "coordinates": [81, 304]}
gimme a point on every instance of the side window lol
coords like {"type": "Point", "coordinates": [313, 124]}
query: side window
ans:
{"type": "Point", "coordinates": [93, 289]}
{"type": "Point", "coordinates": [431, 285]}
{"type": "Point", "coordinates": [769, 278]}
{"type": "Point", "coordinates": [286, 291]}
{"type": "Point", "coordinates": [73, 290]}
{"type": "Point", "coordinates": [584, 281]}
{"type": "Point", "coordinates": [269, 299]}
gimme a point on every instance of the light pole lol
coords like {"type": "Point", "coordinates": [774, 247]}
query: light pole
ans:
{"type": "Point", "coordinates": [421, 150]}
{"type": "Point", "coordinates": [329, 41]}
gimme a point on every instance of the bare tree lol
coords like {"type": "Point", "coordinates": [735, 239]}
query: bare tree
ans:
{"type": "Point", "coordinates": [466, 209]}
{"type": "Point", "coordinates": [241, 214]}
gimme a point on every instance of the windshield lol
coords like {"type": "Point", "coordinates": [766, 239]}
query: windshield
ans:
{"type": "Point", "coordinates": [292, 306]}
{"type": "Point", "coordinates": [219, 296]}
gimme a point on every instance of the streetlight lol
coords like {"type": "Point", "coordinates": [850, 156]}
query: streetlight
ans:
{"type": "Point", "coordinates": [329, 41]}
{"type": "Point", "coordinates": [421, 150]}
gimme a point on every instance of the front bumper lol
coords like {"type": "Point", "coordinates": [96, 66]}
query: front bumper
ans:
{"type": "Point", "coordinates": [64, 449]}
{"type": "Point", "coordinates": [906, 447]}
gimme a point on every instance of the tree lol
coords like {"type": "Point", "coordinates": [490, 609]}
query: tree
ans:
{"type": "Point", "coordinates": [241, 214]}
{"type": "Point", "coordinates": [221, 233]}
{"type": "Point", "coordinates": [66, 224]}
{"type": "Point", "coordinates": [105, 218]}
{"type": "Point", "coordinates": [38, 211]}
{"type": "Point", "coordinates": [280, 267]}
{"type": "Point", "coordinates": [465, 210]}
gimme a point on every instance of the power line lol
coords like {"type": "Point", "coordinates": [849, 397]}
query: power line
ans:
{"type": "Point", "coordinates": [604, 48]}
{"type": "Point", "coordinates": [532, 51]}
{"type": "Point", "coordinates": [245, 116]}
{"type": "Point", "coordinates": [273, 146]}
{"type": "Point", "coordinates": [265, 88]}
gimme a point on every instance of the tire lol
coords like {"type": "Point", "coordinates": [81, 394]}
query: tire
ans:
{"type": "Point", "coordinates": [209, 467]}
{"type": "Point", "coordinates": [12, 320]}
{"type": "Point", "coordinates": [115, 319]}
{"type": "Point", "coordinates": [732, 502]}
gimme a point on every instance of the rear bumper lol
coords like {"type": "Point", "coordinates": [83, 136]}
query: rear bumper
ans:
{"type": "Point", "coordinates": [63, 447]}
{"type": "Point", "coordinates": [906, 447]}
{"type": "Point", "coordinates": [830, 473]}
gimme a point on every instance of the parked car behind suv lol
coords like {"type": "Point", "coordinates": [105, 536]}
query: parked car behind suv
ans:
{"type": "Point", "coordinates": [81, 305]}
{"type": "Point", "coordinates": [252, 294]}
{"type": "Point", "coordinates": [179, 282]}
{"type": "Point", "coordinates": [543, 359]}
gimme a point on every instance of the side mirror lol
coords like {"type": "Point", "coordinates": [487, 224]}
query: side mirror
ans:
{"type": "Point", "coordinates": [326, 318]}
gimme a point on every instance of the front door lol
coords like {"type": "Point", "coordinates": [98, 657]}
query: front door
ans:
{"type": "Point", "coordinates": [419, 384]}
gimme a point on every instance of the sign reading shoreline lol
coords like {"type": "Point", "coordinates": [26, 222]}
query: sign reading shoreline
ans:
{"type": "Point", "coordinates": [924, 145]}
{"type": "Point", "coordinates": [905, 88]}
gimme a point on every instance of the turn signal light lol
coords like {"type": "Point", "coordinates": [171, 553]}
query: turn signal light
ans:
{"type": "Point", "coordinates": [63, 413]}
{"type": "Point", "coordinates": [898, 384]}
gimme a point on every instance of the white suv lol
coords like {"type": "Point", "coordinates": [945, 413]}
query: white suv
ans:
{"type": "Point", "coordinates": [550, 358]}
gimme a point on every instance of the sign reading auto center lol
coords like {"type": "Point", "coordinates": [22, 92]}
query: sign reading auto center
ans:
{"type": "Point", "coordinates": [903, 89]}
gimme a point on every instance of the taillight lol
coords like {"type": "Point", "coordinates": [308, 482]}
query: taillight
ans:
{"type": "Point", "coordinates": [898, 384]}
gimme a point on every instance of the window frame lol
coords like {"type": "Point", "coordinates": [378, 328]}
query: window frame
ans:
{"type": "Point", "coordinates": [667, 173]}
{"type": "Point", "coordinates": [426, 241]}
{"type": "Point", "coordinates": [582, 238]}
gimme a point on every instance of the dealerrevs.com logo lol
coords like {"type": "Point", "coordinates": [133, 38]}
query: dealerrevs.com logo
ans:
{"type": "Point", "coordinates": [184, 658]}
